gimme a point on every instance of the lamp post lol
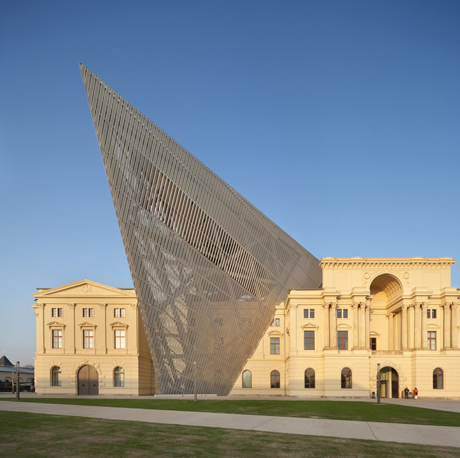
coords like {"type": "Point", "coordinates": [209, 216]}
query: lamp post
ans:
{"type": "Point", "coordinates": [378, 383]}
{"type": "Point", "coordinates": [17, 380]}
{"type": "Point", "coordinates": [194, 378]}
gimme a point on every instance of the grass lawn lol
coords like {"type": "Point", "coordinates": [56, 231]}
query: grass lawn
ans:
{"type": "Point", "coordinates": [335, 410]}
{"type": "Point", "coordinates": [32, 435]}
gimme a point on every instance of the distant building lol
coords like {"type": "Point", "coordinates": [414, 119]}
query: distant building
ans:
{"type": "Point", "coordinates": [8, 373]}
{"type": "Point", "coordinates": [90, 340]}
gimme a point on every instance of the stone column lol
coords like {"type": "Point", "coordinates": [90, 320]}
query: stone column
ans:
{"type": "Point", "coordinates": [334, 325]}
{"type": "Point", "coordinates": [103, 308]}
{"type": "Point", "coordinates": [367, 312]}
{"type": "Point", "coordinates": [391, 338]}
{"type": "Point", "coordinates": [455, 323]}
{"type": "Point", "coordinates": [424, 328]}
{"type": "Point", "coordinates": [73, 329]}
{"type": "Point", "coordinates": [293, 328]}
{"type": "Point", "coordinates": [327, 342]}
{"type": "Point", "coordinates": [447, 325]}
{"type": "Point", "coordinates": [411, 326]}
{"type": "Point", "coordinates": [418, 326]}
{"type": "Point", "coordinates": [404, 328]}
{"type": "Point", "coordinates": [362, 326]}
{"type": "Point", "coordinates": [355, 307]}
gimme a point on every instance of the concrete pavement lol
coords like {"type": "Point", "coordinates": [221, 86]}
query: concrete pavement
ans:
{"type": "Point", "coordinates": [418, 434]}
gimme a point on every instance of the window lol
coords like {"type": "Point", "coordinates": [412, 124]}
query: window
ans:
{"type": "Point", "coordinates": [116, 313]}
{"type": "Point", "coordinates": [88, 313]}
{"type": "Point", "coordinates": [56, 335]}
{"type": "Point", "coordinates": [56, 312]}
{"type": "Point", "coordinates": [120, 336]}
{"type": "Point", "coordinates": [247, 379]}
{"type": "Point", "coordinates": [274, 345]}
{"type": "Point", "coordinates": [431, 340]}
{"type": "Point", "coordinates": [309, 340]}
{"type": "Point", "coordinates": [345, 313]}
{"type": "Point", "coordinates": [438, 379]}
{"type": "Point", "coordinates": [339, 313]}
{"type": "Point", "coordinates": [88, 338]}
{"type": "Point", "coordinates": [428, 313]}
{"type": "Point", "coordinates": [433, 313]}
{"type": "Point", "coordinates": [342, 313]}
{"type": "Point", "coordinates": [373, 343]}
{"type": "Point", "coordinates": [346, 378]}
{"type": "Point", "coordinates": [305, 313]}
{"type": "Point", "coordinates": [309, 378]}
{"type": "Point", "coordinates": [275, 322]}
{"type": "Point", "coordinates": [312, 313]}
{"type": "Point", "coordinates": [118, 377]}
{"type": "Point", "coordinates": [122, 313]}
{"type": "Point", "coordinates": [342, 340]}
{"type": "Point", "coordinates": [275, 379]}
{"type": "Point", "coordinates": [309, 312]}
{"type": "Point", "coordinates": [56, 376]}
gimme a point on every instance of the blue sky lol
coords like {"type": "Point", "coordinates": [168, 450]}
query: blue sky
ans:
{"type": "Point", "coordinates": [339, 120]}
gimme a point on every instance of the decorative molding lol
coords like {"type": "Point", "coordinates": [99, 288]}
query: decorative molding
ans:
{"type": "Point", "coordinates": [87, 324]}
{"type": "Point", "coordinates": [118, 324]}
{"type": "Point", "coordinates": [55, 324]}
{"type": "Point", "coordinates": [343, 326]}
{"type": "Point", "coordinates": [309, 325]}
{"type": "Point", "coordinates": [275, 333]}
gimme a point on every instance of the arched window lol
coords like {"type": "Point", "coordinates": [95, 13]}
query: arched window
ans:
{"type": "Point", "coordinates": [275, 379]}
{"type": "Point", "coordinates": [346, 377]}
{"type": "Point", "coordinates": [309, 378]}
{"type": "Point", "coordinates": [118, 376]}
{"type": "Point", "coordinates": [438, 379]}
{"type": "Point", "coordinates": [247, 379]}
{"type": "Point", "coordinates": [56, 376]}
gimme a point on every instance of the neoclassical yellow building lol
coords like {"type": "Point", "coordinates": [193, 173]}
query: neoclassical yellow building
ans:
{"type": "Point", "coordinates": [90, 340]}
{"type": "Point", "coordinates": [399, 316]}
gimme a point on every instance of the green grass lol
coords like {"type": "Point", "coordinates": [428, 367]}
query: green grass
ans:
{"type": "Point", "coordinates": [335, 410]}
{"type": "Point", "coordinates": [33, 435]}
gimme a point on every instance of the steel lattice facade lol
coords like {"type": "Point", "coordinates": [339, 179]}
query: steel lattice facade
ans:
{"type": "Point", "coordinates": [207, 266]}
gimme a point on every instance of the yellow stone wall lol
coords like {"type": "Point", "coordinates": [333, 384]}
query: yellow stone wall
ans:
{"type": "Point", "coordinates": [386, 299]}
{"type": "Point", "coordinates": [104, 357]}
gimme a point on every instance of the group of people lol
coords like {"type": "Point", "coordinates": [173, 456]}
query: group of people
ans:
{"type": "Point", "coordinates": [406, 393]}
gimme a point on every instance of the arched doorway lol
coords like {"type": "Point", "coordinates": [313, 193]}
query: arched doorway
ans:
{"type": "Point", "coordinates": [88, 381]}
{"type": "Point", "coordinates": [389, 383]}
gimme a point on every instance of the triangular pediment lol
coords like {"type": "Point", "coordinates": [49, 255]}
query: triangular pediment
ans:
{"type": "Point", "coordinates": [85, 288]}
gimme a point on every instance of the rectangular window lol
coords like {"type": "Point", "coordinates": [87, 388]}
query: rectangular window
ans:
{"type": "Point", "coordinates": [275, 322]}
{"type": "Point", "coordinates": [85, 312]}
{"type": "Point", "coordinates": [305, 313]}
{"type": "Point", "coordinates": [56, 338]}
{"type": "Point", "coordinates": [433, 313]}
{"type": "Point", "coordinates": [373, 343]}
{"type": "Point", "coordinates": [122, 313]}
{"type": "Point", "coordinates": [342, 340]}
{"type": "Point", "coordinates": [339, 313]}
{"type": "Point", "coordinates": [120, 338]}
{"type": "Point", "coordinates": [88, 338]}
{"type": "Point", "coordinates": [274, 345]}
{"type": "Point", "coordinates": [428, 313]}
{"type": "Point", "coordinates": [312, 313]}
{"type": "Point", "coordinates": [431, 340]}
{"type": "Point", "coordinates": [345, 313]}
{"type": "Point", "coordinates": [116, 313]}
{"type": "Point", "coordinates": [59, 312]}
{"type": "Point", "coordinates": [309, 340]}
{"type": "Point", "coordinates": [56, 312]}
{"type": "Point", "coordinates": [91, 313]}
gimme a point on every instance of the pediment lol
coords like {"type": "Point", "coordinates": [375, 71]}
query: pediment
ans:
{"type": "Point", "coordinates": [55, 324]}
{"type": "Point", "coordinates": [343, 326]}
{"type": "Point", "coordinates": [118, 324]}
{"type": "Point", "coordinates": [87, 324]}
{"type": "Point", "coordinates": [432, 326]}
{"type": "Point", "coordinates": [275, 333]}
{"type": "Point", "coordinates": [85, 288]}
{"type": "Point", "coordinates": [309, 325]}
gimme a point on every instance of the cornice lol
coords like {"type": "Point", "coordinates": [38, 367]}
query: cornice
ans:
{"type": "Point", "coordinates": [386, 263]}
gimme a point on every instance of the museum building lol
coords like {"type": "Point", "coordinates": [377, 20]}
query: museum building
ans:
{"type": "Point", "coordinates": [399, 316]}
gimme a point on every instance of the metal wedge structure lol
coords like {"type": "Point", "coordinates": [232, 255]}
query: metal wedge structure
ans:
{"type": "Point", "coordinates": [207, 266]}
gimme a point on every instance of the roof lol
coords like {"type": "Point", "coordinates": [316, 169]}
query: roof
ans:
{"type": "Point", "coordinates": [22, 370]}
{"type": "Point", "coordinates": [4, 361]}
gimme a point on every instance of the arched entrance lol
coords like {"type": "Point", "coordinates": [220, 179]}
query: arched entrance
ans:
{"type": "Point", "coordinates": [88, 381]}
{"type": "Point", "coordinates": [389, 383]}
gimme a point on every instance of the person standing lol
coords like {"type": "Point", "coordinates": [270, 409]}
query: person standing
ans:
{"type": "Point", "coordinates": [406, 393]}
{"type": "Point", "coordinates": [415, 393]}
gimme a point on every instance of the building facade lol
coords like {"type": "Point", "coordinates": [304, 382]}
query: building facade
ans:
{"type": "Point", "coordinates": [399, 316]}
{"type": "Point", "coordinates": [90, 340]}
